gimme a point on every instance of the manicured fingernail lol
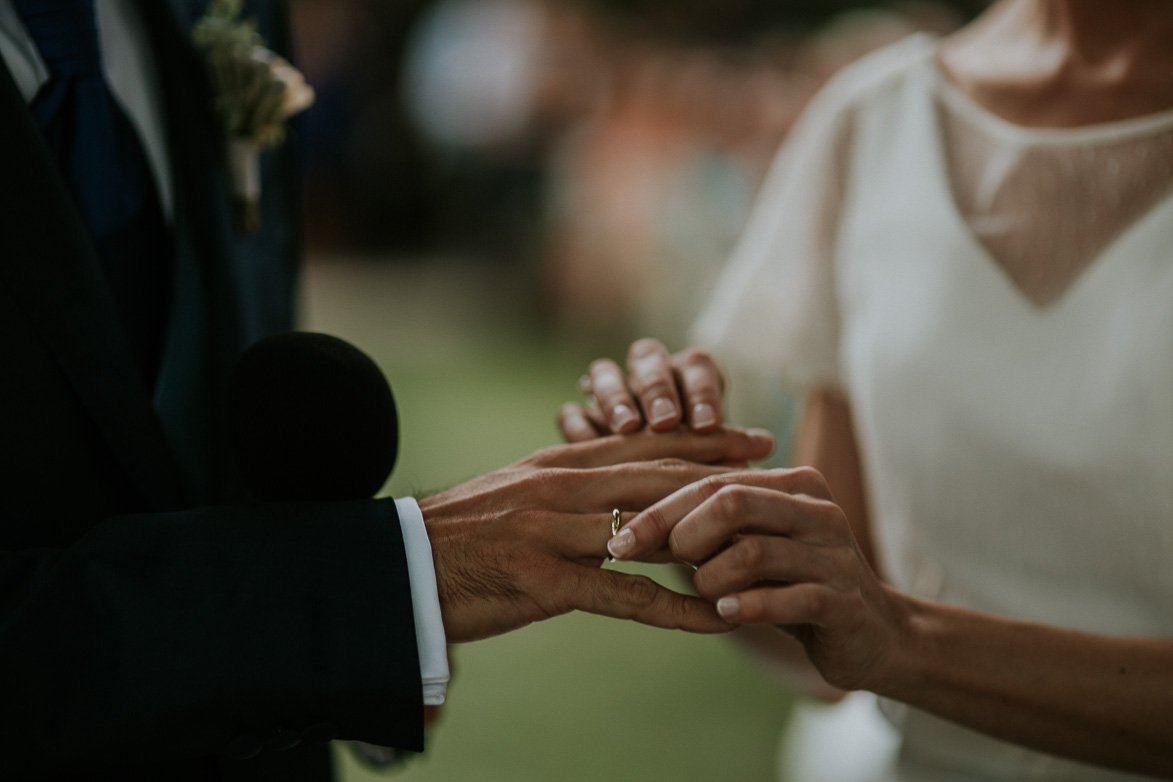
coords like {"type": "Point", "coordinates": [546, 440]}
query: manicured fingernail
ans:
{"type": "Point", "coordinates": [728, 607]}
{"type": "Point", "coordinates": [622, 543]}
{"type": "Point", "coordinates": [662, 410]}
{"type": "Point", "coordinates": [703, 415]}
{"type": "Point", "coordinates": [621, 416]}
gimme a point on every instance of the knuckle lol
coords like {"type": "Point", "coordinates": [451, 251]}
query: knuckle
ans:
{"type": "Point", "coordinates": [607, 381]}
{"type": "Point", "coordinates": [731, 500]}
{"type": "Point", "coordinates": [610, 397]}
{"type": "Point", "coordinates": [703, 387]}
{"type": "Point", "coordinates": [814, 603]}
{"type": "Point", "coordinates": [836, 517]}
{"type": "Point", "coordinates": [805, 474]}
{"type": "Point", "coordinates": [652, 387]}
{"type": "Point", "coordinates": [702, 368]}
{"type": "Point", "coordinates": [528, 525]}
{"type": "Point", "coordinates": [640, 591]}
{"type": "Point", "coordinates": [707, 488]}
{"type": "Point", "coordinates": [752, 551]}
{"type": "Point", "coordinates": [647, 346]}
{"type": "Point", "coordinates": [694, 356]}
{"type": "Point", "coordinates": [808, 480]}
{"type": "Point", "coordinates": [671, 464]}
{"type": "Point", "coordinates": [656, 520]}
{"type": "Point", "coordinates": [711, 485]}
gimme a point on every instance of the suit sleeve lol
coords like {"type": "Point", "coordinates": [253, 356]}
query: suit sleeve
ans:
{"type": "Point", "coordinates": [188, 633]}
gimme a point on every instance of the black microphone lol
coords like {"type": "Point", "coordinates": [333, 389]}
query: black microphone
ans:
{"type": "Point", "coordinates": [311, 417]}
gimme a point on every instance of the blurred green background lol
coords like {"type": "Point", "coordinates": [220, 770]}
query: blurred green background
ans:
{"type": "Point", "coordinates": [578, 697]}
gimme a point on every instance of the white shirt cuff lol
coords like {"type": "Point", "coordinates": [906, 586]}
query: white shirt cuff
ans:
{"type": "Point", "coordinates": [425, 603]}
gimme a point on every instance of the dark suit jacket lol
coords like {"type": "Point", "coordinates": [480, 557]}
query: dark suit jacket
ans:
{"type": "Point", "coordinates": [148, 613]}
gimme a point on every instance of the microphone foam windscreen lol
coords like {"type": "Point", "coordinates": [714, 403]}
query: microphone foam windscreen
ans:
{"type": "Point", "coordinates": [311, 417]}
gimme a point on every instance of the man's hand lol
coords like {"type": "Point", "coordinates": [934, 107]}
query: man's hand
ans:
{"type": "Point", "coordinates": [525, 543]}
{"type": "Point", "coordinates": [662, 390]}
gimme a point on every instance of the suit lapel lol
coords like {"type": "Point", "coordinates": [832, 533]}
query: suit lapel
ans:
{"type": "Point", "coordinates": [51, 268]}
{"type": "Point", "coordinates": [204, 307]}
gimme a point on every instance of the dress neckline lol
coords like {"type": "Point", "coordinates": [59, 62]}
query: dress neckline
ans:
{"type": "Point", "coordinates": [1112, 253]}
{"type": "Point", "coordinates": [960, 102]}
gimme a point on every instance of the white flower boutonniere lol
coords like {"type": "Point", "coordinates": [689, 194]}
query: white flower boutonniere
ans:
{"type": "Point", "coordinates": [256, 91]}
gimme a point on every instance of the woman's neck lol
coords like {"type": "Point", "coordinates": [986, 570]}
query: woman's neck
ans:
{"type": "Point", "coordinates": [1092, 30]}
{"type": "Point", "coordinates": [1064, 63]}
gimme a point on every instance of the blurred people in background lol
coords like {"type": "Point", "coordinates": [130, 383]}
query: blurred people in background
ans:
{"type": "Point", "coordinates": [561, 138]}
{"type": "Point", "coordinates": [367, 172]}
{"type": "Point", "coordinates": [490, 84]}
{"type": "Point", "coordinates": [472, 71]}
{"type": "Point", "coordinates": [654, 185]}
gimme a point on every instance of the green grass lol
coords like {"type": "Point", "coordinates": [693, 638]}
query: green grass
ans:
{"type": "Point", "coordinates": [578, 697]}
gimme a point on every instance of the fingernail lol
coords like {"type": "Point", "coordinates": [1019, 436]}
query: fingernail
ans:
{"type": "Point", "coordinates": [728, 607]}
{"type": "Point", "coordinates": [621, 416]}
{"type": "Point", "coordinates": [621, 544]}
{"type": "Point", "coordinates": [703, 416]}
{"type": "Point", "coordinates": [662, 410]}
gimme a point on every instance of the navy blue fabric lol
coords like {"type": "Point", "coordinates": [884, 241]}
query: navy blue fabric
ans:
{"type": "Point", "coordinates": [106, 169]}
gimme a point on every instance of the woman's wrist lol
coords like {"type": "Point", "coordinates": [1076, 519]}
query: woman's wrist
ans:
{"type": "Point", "coordinates": [902, 668]}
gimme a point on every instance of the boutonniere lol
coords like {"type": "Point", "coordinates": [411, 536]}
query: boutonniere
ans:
{"type": "Point", "coordinates": [256, 91]}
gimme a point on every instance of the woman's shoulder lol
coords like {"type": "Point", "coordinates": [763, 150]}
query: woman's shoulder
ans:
{"type": "Point", "coordinates": [876, 75]}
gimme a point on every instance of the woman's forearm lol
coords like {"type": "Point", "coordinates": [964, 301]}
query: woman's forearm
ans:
{"type": "Point", "coordinates": [775, 550]}
{"type": "Point", "coordinates": [1094, 698]}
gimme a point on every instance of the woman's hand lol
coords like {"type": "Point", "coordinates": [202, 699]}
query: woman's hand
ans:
{"type": "Point", "coordinates": [660, 389]}
{"type": "Point", "coordinates": [770, 547]}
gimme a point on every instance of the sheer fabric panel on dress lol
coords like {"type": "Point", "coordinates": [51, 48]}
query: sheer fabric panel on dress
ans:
{"type": "Point", "coordinates": [1046, 204]}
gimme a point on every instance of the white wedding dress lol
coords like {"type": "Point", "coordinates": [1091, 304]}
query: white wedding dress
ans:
{"type": "Point", "coordinates": [996, 302]}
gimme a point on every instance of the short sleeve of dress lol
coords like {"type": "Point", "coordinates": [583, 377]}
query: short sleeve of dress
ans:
{"type": "Point", "coordinates": [774, 309]}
